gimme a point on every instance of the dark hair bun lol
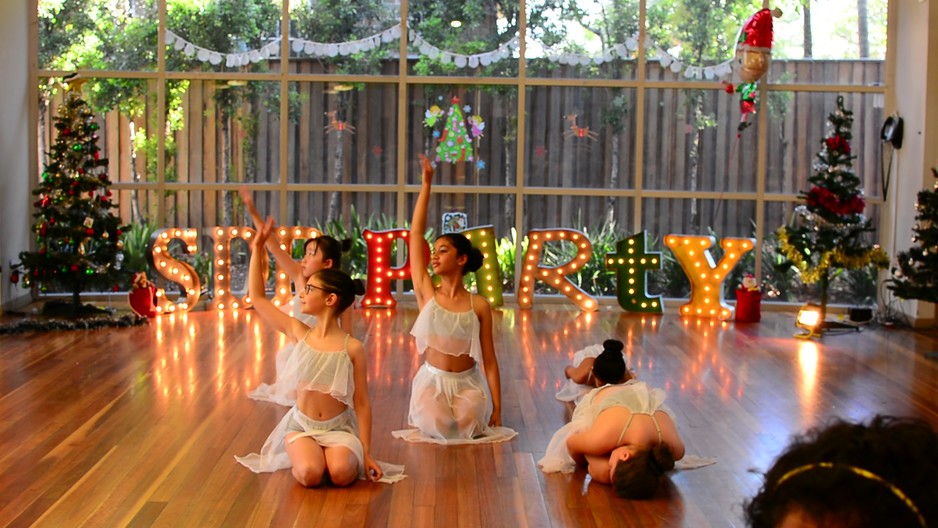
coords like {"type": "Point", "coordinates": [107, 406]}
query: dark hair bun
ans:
{"type": "Point", "coordinates": [359, 286]}
{"type": "Point", "coordinates": [474, 262]}
{"type": "Point", "coordinates": [613, 345]}
{"type": "Point", "coordinates": [661, 459]}
{"type": "Point", "coordinates": [609, 366]}
{"type": "Point", "coordinates": [345, 245]}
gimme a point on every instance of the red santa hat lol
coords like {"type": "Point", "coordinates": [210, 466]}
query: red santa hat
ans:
{"type": "Point", "coordinates": [757, 31]}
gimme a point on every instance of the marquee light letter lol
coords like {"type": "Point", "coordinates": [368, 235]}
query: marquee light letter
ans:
{"type": "Point", "coordinates": [630, 262]}
{"type": "Point", "coordinates": [286, 236]}
{"type": "Point", "coordinates": [555, 277]}
{"type": "Point", "coordinates": [221, 241]}
{"type": "Point", "coordinates": [380, 270]}
{"type": "Point", "coordinates": [706, 279]}
{"type": "Point", "coordinates": [488, 277]}
{"type": "Point", "coordinates": [175, 270]}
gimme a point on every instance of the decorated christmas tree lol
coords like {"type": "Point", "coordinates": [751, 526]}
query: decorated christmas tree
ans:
{"type": "Point", "coordinates": [916, 276]}
{"type": "Point", "coordinates": [826, 233]}
{"type": "Point", "coordinates": [78, 238]}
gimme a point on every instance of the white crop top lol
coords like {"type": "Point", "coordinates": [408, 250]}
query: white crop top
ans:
{"type": "Point", "coordinates": [326, 372]}
{"type": "Point", "coordinates": [633, 395]}
{"type": "Point", "coordinates": [453, 333]}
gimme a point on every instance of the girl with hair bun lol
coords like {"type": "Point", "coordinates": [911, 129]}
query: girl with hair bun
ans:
{"type": "Point", "coordinates": [322, 252]}
{"type": "Point", "coordinates": [580, 378]}
{"type": "Point", "coordinates": [621, 430]}
{"type": "Point", "coordinates": [326, 435]}
{"type": "Point", "coordinates": [451, 401]}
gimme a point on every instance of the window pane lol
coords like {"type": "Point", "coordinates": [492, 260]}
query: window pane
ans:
{"type": "Point", "coordinates": [693, 216]}
{"type": "Point", "coordinates": [852, 287]}
{"type": "Point", "coordinates": [595, 39]}
{"type": "Point", "coordinates": [94, 35]}
{"type": "Point", "coordinates": [224, 131]}
{"type": "Point", "coordinates": [580, 137]}
{"type": "Point", "coordinates": [331, 36]}
{"type": "Point", "coordinates": [338, 212]}
{"type": "Point", "coordinates": [604, 221]}
{"type": "Point", "coordinates": [693, 142]}
{"type": "Point", "coordinates": [494, 210]}
{"type": "Point", "coordinates": [223, 36]}
{"type": "Point", "coordinates": [125, 113]}
{"type": "Point", "coordinates": [797, 126]}
{"type": "Point", "coordinates": [694, 40]}
{"type": "Point", "coordinates": [839, 29]}
{"type": "Point", "coordinates": [341, 133]}
{"type": "Point", "coordinates": [469, 132]}
{"type": "Point", "coordinates": [469, 38]}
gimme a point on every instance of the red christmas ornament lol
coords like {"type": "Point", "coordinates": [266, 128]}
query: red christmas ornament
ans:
{"type": "Point", "coordinates": [838, 144]}
{"type": "Point", "coordinates": [89, 231]}
{"type": "Point", "coordinates": [15, 277]}
{"type": "Point", "coordinates": [74, 267]}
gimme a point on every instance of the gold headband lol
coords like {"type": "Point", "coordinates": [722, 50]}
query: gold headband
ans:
{"type": "Point", "coordinates": [863, 473]}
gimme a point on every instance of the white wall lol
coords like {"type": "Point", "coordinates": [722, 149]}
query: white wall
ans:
{"type": "Point", "coordinates": [15, 151]}
{"type": "Point", "coordinates": [916, 101]}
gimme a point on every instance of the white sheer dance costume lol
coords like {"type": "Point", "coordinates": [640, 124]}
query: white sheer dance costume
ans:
{"type": "Point", "coordinates": [283, 390]}
{"type": "Point", "coordinates": [634, 395]}
{"type": "Point", "coordinates": [330, 373]}
{"type": "Point", "coordinates": [450, 407]}
{"type": "Point", "coordinates": [571, 390]}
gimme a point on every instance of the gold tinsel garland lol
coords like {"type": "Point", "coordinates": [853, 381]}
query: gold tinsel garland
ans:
{"type": "Point", "coordinates": [835, 258]}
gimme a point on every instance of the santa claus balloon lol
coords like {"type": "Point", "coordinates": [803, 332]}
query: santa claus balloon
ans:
{"type": "Point", "coordinates": [753, 54]}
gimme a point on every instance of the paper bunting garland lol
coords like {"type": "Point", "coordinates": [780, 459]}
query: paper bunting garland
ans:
{"type": "Point", "coordinates": [505, 50]}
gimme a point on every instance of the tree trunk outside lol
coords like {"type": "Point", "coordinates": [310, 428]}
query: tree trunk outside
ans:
{"type": "Point", "coordinates": [863, 32]}
{"type": "Point", "coordinates": [613, 177]}
{"type": "Point", "coordinates": [808, 40]}
{"type": "Point", "coordinates": [337, 157]}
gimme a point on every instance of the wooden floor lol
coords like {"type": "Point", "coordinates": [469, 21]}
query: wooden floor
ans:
{"type": "Point", "coordinates": [139, 426]}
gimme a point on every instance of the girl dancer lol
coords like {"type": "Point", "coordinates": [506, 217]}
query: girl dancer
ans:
{"type": "Point", "coordinates": [451, 402]}
{"type": "Point", "coordinates": [624, 433]}
{"type": "Point", "coordinates": [322, 252]}
{"type": "Point", "coordinates": [326, 436]}
{"type": "Point", "coordinates": [580, 378]}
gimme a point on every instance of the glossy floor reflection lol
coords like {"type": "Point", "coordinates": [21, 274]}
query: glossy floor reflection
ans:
{"type": "Point", "coordinates": [139, 426]}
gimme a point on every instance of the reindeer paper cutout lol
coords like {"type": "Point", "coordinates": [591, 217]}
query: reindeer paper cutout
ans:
{"type": "Point", "coordinates": [577, 131]}
{"type": "Point", "coordinates": [336, 125]}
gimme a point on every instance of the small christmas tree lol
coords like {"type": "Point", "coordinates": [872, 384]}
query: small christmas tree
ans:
{"type": "Point", "coordinates": [916, 277]}
{"type": "Point", "coordinates": [455, 141]}
{"type": "Point", "coordinates": [77, 236]}
{"type": "Point", "coordinates": [826, 231]}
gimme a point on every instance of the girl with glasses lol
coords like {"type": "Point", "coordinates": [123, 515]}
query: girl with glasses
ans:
{"type": "Point", "coordinates": [326, 435]}
{"type": "Point", "coordinates": [322, 252]}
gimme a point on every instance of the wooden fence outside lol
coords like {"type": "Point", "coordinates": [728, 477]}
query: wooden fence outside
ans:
{"type": "Point", "coordinates": [245, 147]}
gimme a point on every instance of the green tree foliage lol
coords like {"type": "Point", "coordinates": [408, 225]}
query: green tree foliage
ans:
{"type": "Point", "coordinates": [915, 276]}
{"type": "Point", "coordinates": [826, 234]}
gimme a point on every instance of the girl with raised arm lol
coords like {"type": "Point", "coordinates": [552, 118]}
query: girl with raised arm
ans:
{"type": "Point", "coordinates": [326, 435]}
{"type": "Point", "coordinates": [322, 252]}
{"type": "Point", "coordinates": [451, 401]}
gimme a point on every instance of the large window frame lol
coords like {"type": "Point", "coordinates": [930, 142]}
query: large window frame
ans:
{"type": "Point", "coordinates": [404, 188]}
